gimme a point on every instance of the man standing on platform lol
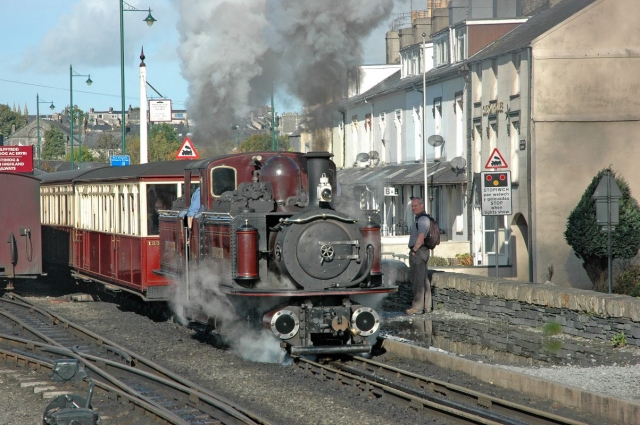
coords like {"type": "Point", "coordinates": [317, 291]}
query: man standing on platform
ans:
{"type": "Point", "coordinates": [418, 258]}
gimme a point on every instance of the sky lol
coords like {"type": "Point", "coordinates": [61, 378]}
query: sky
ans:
{"type": "Point", "coordinates": [195, 50]}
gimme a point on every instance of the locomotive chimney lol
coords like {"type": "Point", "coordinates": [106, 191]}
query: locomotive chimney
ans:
{"type": "Point", "coordinates": [318, 163]}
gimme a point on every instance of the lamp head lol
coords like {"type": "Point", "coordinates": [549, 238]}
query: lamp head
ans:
{"type": "Point", "coordinates": [89, 82]}
{"type": "Point", "coordinates": [149, 19]}
{"type": "Point", "coordinates": [52, 107]}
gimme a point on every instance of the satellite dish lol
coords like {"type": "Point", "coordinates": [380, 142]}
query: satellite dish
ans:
{"type": "Point", "coordinates": [374, 155]}
{"type": "Point", "coordinates": [435, 140]}
{"type": "Point", "coordinates": [458, 164]}
{"type": "Point", "coordinates": [362, 157]}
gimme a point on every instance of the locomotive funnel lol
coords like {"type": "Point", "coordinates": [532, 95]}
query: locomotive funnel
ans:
{"type": "Point", "coordinates": [318, 163]}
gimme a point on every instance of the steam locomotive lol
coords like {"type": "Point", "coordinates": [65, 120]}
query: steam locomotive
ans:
{"type": "Point", "coordinates": [269, 246]}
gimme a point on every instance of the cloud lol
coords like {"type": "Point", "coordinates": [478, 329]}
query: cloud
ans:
{"type": "Point", "coordinates": [89, 35]}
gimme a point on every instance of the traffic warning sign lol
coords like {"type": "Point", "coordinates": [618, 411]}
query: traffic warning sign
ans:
{"type": "Point", "coordinates": [187, 150]}
{"type": "Point", "coordinates": [496, 193]}
{"type": "Point", "coordinates": [496, 160]}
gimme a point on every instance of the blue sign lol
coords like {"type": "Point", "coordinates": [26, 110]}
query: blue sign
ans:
{"type": "Point", "coordinates": [120, 160]}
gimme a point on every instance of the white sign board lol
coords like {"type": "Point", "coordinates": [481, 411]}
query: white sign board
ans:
{"type": "Point", "coordinates": [160, 110]}
{"type": "Point", "coordinates": [391, 191]}
{"type": "Point", "coordinates": [496, 192]}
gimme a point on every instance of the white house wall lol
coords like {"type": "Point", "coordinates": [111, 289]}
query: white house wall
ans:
{"type": "Point", "coordinates": [502, 105]}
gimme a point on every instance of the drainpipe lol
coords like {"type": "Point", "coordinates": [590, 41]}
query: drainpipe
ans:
{"type": "Point", "coordinates": [344, 138]}
{"type": "Point", "coordinates": [469, 161]}
{"type": "Point", "coordinates": [529, 185]}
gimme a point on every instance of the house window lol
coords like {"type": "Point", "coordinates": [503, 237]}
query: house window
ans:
{"type": "Point", "coordinates": [515, 60]}
{"type": "Point", "coordinates": [493, 133]}
{"type": "Point", "coordinates": [494, 68]}
{"type": "Point", "coordinates": [478, 82]}
{"type": "Point", "coordinates": [477, 149]}
{"type": "Point", "coordinates": [461, 45]}
{"type": "Point", "coordinates": [442, 52]}
{"type": "Point", "coordinates": [490, 230]}
{"type": "Point", "coordinates": [459, 124]}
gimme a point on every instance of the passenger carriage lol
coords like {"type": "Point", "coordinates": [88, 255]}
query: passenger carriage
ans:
{"type": "Point", "coordinates": [102, 223]}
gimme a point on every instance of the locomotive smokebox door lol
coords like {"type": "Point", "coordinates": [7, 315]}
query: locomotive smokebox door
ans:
{"type": "Point", "coordinates": [321, 249]}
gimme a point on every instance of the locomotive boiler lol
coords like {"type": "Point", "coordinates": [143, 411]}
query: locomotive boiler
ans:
{"type": "Point", "coordinates": [271, 238]}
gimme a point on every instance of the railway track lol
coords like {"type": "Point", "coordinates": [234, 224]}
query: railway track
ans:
{"type": "Point", "coordinates": [128, 387]}
{"type": "Point", "coordinates": [431, 397]}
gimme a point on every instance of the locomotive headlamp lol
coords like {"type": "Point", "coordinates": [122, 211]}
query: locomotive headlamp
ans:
{"type": "Point", "coordinates": [324, 189]}
{"type": "Point", "coordinates": [285, 324]}
{"type": "Point", "coordinates": [365, 321]}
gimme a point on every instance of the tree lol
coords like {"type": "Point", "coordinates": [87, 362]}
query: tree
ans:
{"type": "Point", "coordinates": [55, 145]}
{"type": "Point", "coordinates": [588, 240]}
{"type": "Point", "coordinates": [162, 144]}
{"type": "Point", "coordinates": [106, 144]}
{"type": "Point", "coordinates": [262, 142]}
{"type": "Point", "coordinates": [10, 121]}
{"type": "Point", "coordinates": [80, 154]}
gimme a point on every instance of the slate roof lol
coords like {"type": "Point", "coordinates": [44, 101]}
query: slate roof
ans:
{"type": "Point", "coordinates": [440, 173]}
{"type": "Point", "coordinates": [522, 36]}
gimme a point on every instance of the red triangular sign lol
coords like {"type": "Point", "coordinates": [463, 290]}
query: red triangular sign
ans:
{"type": "Point", "coordinates": [187, 150]}
{"type": "Point", "coordinates": [496, 160]}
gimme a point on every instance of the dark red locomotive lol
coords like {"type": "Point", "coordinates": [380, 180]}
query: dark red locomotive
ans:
{"type": "Point", "coordinates": [270, 245]}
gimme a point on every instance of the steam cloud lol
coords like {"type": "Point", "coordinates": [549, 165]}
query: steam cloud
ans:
{"type": "Point", "coordinates": [204, 295]}
{"type": "Point", "coordinates": [235, 53]}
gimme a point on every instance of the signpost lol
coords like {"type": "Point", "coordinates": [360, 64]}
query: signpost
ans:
{"type": "Point", "coordinates": [120, 160]}
{"type": "Point", "coordinates": [391, 191]}
{"type": "Point", "coordinates": [187, 150]}
{"type": "Point", "coordinates": [496, 193]}
{"type": "Point", "coordinates": [160, 110]}
{"type": "Point", "coordinates": [16, 159]}
{"type": "Point", "coordinates": [607, 197]}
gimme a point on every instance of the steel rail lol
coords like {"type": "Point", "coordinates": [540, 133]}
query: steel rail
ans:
{"type": "Point", "coordinates": [98, 366]}
{"type": "Point", "coordinates": [419, 398]}
{"type": "Point", "coordinates": [533, 416]}
{"type": "Point", "coordinates": [28, 361]}
{"type": "Point", "coordinates": [137, 361]}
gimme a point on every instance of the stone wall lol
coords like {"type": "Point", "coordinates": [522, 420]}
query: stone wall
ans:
{"type": "Point", "coordinates": [582, 313]}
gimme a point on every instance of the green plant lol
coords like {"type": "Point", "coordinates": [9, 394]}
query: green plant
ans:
{"type": "Point", "coordinates": [551, 328]}
{"type": "Point", "coordinates": [464, 259]}
{"type": "Point", "coordinates": [550, 273]}
{"type": "Point", "coordinates": [628, 282]}
{"type": "Point", "coordinates": [619, 340]}
{"type": "Point", "coordinates": [438, 261]}
{"type": "Point", "coordinates": [552, 345]}
{"type": "Point", "coordinates": [589, 242]}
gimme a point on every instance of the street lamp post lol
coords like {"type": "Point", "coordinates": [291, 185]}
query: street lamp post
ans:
{"type": "Point", "coordinates": [52, 107]}
{"type": "Point", "coordinates": [424, 121]}
{"type": "Point", "coordinates": [72, 74]}
{"type": "Point", "coordinates": [149, 20]}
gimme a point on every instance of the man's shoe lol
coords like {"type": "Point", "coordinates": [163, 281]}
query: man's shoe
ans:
{"type": "Point", "coordinates": [413, 311]}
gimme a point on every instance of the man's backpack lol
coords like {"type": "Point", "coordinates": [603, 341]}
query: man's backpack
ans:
{"type": "Point", "coordinates": [432, 238]}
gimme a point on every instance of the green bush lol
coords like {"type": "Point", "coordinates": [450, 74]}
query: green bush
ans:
{"type": "Point", "coordinates": [438, 261]}
{"type": "Point", "coordinates": [628, 282]}
{"type": "Point", "coordinates": [464, 259]}
{"type": "Point", "coordinates": [551, 328]}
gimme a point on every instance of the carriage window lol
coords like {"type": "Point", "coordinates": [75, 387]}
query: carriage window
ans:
{"type": "Point", "coordinates": [159, 197]}
{"type": "Point", "coordinates": [223, 179]}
